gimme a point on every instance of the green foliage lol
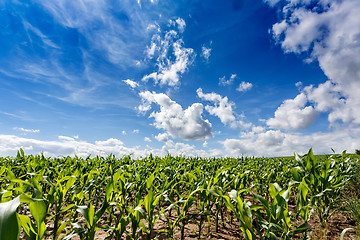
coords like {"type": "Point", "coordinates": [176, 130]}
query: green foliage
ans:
{"type": "Point", "coordinates": [57, 198]}
{"type": "Point", "coordinates": [9, 225]}
{"type": "Point", "coordinates": [357, 151]}
{"type": "Point", "coordinates": [323, 179]}
{"type": "Point", "coordinates": [352, 208]}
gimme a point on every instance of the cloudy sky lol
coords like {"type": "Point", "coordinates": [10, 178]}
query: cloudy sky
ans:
{"type": "Point", "coordinates": [185, 77]}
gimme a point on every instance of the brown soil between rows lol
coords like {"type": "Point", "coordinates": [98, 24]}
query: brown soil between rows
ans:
{"type": "Point", "coordinates": [230, 230]}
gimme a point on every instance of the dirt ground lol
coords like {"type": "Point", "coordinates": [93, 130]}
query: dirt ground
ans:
{"type": "Point", "coordinates": [336, 224]}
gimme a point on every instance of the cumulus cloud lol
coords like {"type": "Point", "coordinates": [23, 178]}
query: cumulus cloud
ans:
{"type": "Point", "coordinates": [261, 142]}
{"type": "Point", "coordinates": [223, 109]}
{"type": "Point", "coordinates": [244, 86]}
{"type": "Point", "coordinates": [329, 31]}
{"type": "Point", "coordinates": [67, 146]}
{"type": "Point", "coordinates": [131, 83]}
{"type": "Point", "coordinates": [224, 82]}
{"type": "Point", "coordinates": [10, 144]}
{"type": "Point", "coordinates": [184, 149]}
{"type": "Point", "coordinates": [187, 124]}
{"type": "Point", "coordinates": [173, 59]}
{"type": "Point", "coordinates": [162, 137]}
{"type": "Point", "coordinates": [293, 114]}
{"type": "Point", "coordinates": [146, 139]}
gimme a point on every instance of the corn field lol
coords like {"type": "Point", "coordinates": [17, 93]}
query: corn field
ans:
{"type": "Point", "coordinates": [65, 197]}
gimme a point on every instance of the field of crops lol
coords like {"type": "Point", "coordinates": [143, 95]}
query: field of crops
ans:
{"type": "Point", "coordinates": [179, 197]}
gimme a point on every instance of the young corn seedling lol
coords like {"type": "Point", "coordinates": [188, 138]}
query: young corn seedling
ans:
{"type": "Point", "coordinates": [10, 221]}
{"type": "Point", "coordinates": [57, 197]}
{"type": "Point", "coordinates": [38, 209]}
{"type": "Point", "coordinates": [134, 217]}
{"type": "Point", "coordinates": [243, 212]}
{"type": "Point", "coordinates": [274, 217]}
{"type": "Point", "coordinates": [322, 179]}
{"type": "Point", "coordinates": [9, 224]}
{"type": "Point", "coordinates": [91, 218]}
{"type": "Point", "coordinates": [150, 203]}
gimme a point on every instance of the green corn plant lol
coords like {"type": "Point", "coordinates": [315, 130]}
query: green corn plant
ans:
{"type": "Point", "coordinates": [57, 197]}
{"type": "Point", "coordinates": [183, 216]}
{"type": "Point", "coordinates": [224, 181]}
{"type": "Point", "coordinates": [115, 191]}
{"type": "Point", "coordinates": [243, 212]}
{"type": "Point", "coordinates": [38, 209]}
{"type": "Point", "coordinates": [322, 179]}
{"type": "Point", "coordinates": [37, 205]}
{"type": "Point", "coordinates": [150, 203]}
{"type": "Point", "coordinates": [9, 223]}
{"type": "Point", "coordinates": [134, 217]}
{"type": "Point", "coordinates": [274, 217]}
{"type": "Point", "coordinates": [91, 218]}
{"type": "Point", "coordinates": [170, 224]}
{"type": "Point", "coordinates": [207, 195]}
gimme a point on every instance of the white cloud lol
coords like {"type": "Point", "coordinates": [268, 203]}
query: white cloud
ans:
{"type": "Point", "coordinates": [205, 144]}
{"type": "Point", "coordinates": [109, 142]}
{"type": "Point", "coordinates": [183, 149]}
{"type": "Point", "coordinates": [206, 52]}
{"type": "Point", "coordinates": [131, 83]}
{"type": "Point", "coordinates": [244, 86]}
{"type": "Point", "coordinates": [187, 124]}
{"type": "Point", "coordinates": [257, 142]}
{"type": "Point", "coordinates": [330, 32]}
{"type": "Point", "coordinates": [10, 144]}
{"type": "Point", "coordinates": [173, 58]}
{"type": "Point", "coordinates": [136, 131]}
{"type": "Point", "coordinates": [123, 132]}
{"type": "Point", "coordinates": [151, 50]}
{"type": "Point", "coordinates": [223, 109]}
{"type": "Point", "coordinates": [25, 131]}
{"type": "Point", "coordinates": [162, 137]}
{"type": "Point", "coordinates": [277, 143]}
{"type": "Point", "coordinates": [181, 24]}
{"type": "Point", "coordinates": [146, 139]}
{"type": "Point", "coordinates": [293, 114]}
{"type": "Point", "coordinates": [272, 2]}
{"type": "Point", "coordinates": [66, 138]}
{"type": "Point", "coordinates": [224, 82]}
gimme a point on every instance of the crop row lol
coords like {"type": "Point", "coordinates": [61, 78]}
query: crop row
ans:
{"type": "Point", "coordinates": [58, 198]}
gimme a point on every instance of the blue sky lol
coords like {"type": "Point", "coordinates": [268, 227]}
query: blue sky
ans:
{"type": "Point", "coordinates": [196, 78]}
